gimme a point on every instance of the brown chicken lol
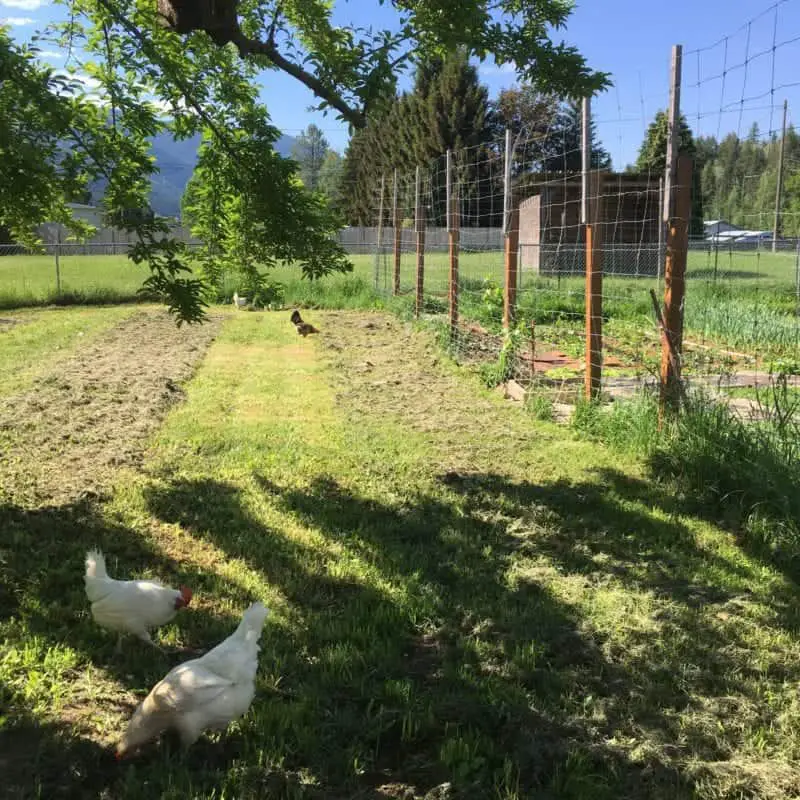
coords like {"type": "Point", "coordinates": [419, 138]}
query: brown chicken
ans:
{"type": "Point", "coordinates": [303, 328]}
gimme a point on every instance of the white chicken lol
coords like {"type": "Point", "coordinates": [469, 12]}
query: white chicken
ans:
{"type": "Point", "coordinates": [130, 606]}
{"type": "Point", "coordinates": [206, 693]}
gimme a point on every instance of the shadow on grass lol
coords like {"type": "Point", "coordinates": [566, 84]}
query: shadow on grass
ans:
{"type": "Point", "coordinates": [740, 476]}
{"type": "Point", "coordinates": [80, 297]}
{"type": "Point", "coordinates": [42, 584]}
{"type": "Point", "coordinates": [721, 274]}
{"type": "Point", "coordinates": [42, 595]}
{"type": "Point", "coordinates": [431, 661]}
{"type": "Point", "coordinates": [431, 642]}
{"type": "Point", "coordinates": [46, 759]}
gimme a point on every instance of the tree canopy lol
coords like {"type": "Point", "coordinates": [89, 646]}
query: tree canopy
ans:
{"type": "Point", "coordinates": [190, 66]}
{"type": "Point", "coordinates": [354, 69]}
{"type": "Point", "coordinates": [449, 109]}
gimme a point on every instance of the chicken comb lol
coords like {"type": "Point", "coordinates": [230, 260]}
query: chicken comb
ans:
{"type": "Point", "coordinates": [186, 593]}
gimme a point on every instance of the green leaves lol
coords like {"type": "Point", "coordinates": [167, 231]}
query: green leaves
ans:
{"type": "Point", "coordinates": [252, 212]}
{"type": "Point", "coordinates": [186, 67]}
{"type": "Point", "coordinates": [354, 70]}
{"type": "Point", "coordinates": [38, 173]}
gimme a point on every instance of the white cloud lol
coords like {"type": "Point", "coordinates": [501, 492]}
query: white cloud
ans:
{"type": "Point", "coordinates": [166, 108]}
{"type": "Point", "coordinates": [52, 55]}
{"type": "Point", "coordinates": [14, 21]}
{"type": "Point", "coordinates": [23, 5]}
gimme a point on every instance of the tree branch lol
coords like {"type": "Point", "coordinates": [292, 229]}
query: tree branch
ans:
{"type": "Point", "coordinates": [248, 46]}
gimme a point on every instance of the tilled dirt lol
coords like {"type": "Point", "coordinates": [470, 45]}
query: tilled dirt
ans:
{"type": "Point", "coordinates": [86, 416]}
{"type": "Point", "coordinates": [383, 368]}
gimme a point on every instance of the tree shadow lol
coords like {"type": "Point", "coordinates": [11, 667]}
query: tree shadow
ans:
{"type": "Point", "coordinates": [595, 529]}
{"type": "Point", "coordinates": [49, 759]}
{"type": "Point", "coordinates": [431, 664]}
{"type": "Point", "coordinates": [42, 553]}
{"type": "Point", "coordinates": [44, 606]}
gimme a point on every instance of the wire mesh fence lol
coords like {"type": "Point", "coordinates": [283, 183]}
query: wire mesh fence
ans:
{"type": "Point", "coordinates": [500, 252]}
{"type": "Point", "coordinates": [537, 262]}
{"type": "Point", "coordinates": [739, 315]}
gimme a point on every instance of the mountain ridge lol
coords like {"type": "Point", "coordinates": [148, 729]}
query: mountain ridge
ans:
{"type": "Point", "coordinates": [176, 161]}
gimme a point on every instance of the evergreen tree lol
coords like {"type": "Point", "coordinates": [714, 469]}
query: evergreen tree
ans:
{"type": "Point", "coordinates": [653, 152]}
{"type": "Point", "coordinates": [566, 141]}
{"type": "Point", "coordinates": [447, 109]}
{"type": "Point", "coordinates": [330, 177]}
{"type": "Point", "coordinates": [309, 151]}
{"type": "Point", "coordinates": [530, 115]}
{"type": "Point", "coordinates": [652, 160]}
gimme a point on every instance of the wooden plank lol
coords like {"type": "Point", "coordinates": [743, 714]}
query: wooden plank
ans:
{"type": "Point", "coordinates": [398, 234]}
{"type": "Point", "coordinates": [453, 224]}
{"type": "Point", "coordinates": [379, 239]}
{"type": "Point", "coordinates": [419, 224]}
{"type": "Point", "coordinates": [673, 130]}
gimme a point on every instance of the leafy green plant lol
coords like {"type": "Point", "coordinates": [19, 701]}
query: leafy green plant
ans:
{"type": "Point", "coordinates": [493, 374]}
{"type": "Point", "coordinates": [540, 406]}
{"type": "Point", "coordinates": [744, 472]}
{"type": "Point", "coordinates": [492, 296]}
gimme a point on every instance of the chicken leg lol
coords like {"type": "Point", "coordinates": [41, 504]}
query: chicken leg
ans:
{"type": "Point", "coordinates": [145, 637]}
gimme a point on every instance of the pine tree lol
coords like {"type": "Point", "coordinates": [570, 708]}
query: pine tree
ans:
{"type": "Point", "coordinates": [653, 152]}
{"type": "Point", "coordinates": [309, 151]}
{"type": "Point", "coordinates": [652, 160]}
{"type": "Point", "coordinates": [566, 140]}
{"type": "Point", "coordinates": [447, 109]}
{"type": "Point", "coordinates": [530, 116]}
{"type": "Point", "coordinates": [330, 177]}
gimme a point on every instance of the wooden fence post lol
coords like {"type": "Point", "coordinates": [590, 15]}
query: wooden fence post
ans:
{"type": "Point", "coordinates": [398, 234]}
{"type": "Point", "coordinates": [594, 287]}
{"type": "Point", "coordinates": [675, 284]}
{"type": "Point", "coordinates": [379, 245]}
{"type": "Point", "coordinates": [453, 224]}
{"type": "Point", "coordinates": [419, 223]}
{"type": "Point", "coordinates": [510, 282]}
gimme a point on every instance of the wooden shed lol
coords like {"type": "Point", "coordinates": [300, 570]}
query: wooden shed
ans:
{"type": "Point", "coordinates": [552, 236]}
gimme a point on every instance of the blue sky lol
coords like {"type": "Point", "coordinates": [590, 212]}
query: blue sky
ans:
{"type": "Point", "coordinates": [631, 39]}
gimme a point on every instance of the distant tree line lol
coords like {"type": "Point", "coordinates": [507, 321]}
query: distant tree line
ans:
{"type": "Point", "coordinates": [448, 108]}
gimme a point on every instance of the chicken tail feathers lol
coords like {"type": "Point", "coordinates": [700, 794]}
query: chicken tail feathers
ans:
{"type": "Point", "coordinates": [95, 565]}
{"type": "Point", "coordinates": [296, 318]}
{"type": "Point", "coordinates": [252, 622]}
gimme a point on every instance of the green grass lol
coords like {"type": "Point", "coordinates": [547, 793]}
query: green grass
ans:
{"type": "Point", "coordinates": [459, 593]}
{"type": "Point", "coordinates": [31, 280]}
{"type": "Point", "coordinates": [743, 473]}
{"type": "Point", "coordinates": [748, 305]}
{"type": "Point", "coordinates": [32, 341]}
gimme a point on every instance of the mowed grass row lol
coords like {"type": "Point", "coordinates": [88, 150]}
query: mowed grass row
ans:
{"type": "Point", "coordinates": [459, 595]}
{"type": "Point", "coordinates": [746, 300]}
